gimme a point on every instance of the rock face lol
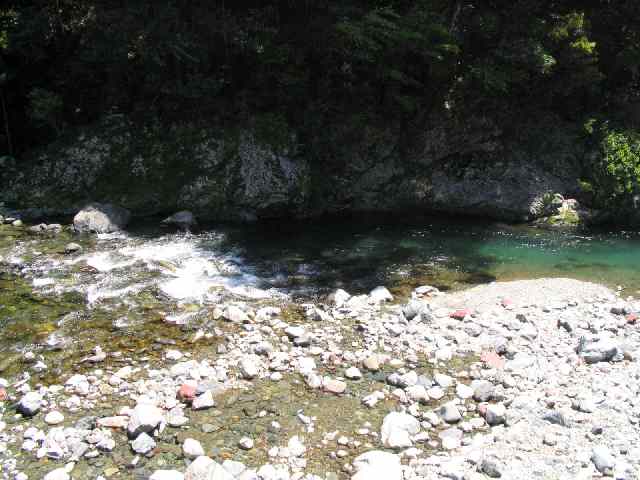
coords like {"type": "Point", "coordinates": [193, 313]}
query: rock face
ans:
{"type": "Point", "coordinates": [244, 176]}
{"type": "Point", "coordinates": [101, 218]}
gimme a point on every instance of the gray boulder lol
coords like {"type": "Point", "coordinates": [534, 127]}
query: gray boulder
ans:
{"type": "Point", "coordinates": [101, 218]}
{"type": "Point", "coordinates": [183, 220]}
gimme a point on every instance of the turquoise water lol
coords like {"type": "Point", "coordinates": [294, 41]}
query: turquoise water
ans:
{"type": "Point", "coordinates": [358, 255]}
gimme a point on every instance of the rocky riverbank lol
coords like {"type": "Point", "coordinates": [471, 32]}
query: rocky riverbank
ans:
{"type": "Point", "coordinates": [243, 174]}
{"type": "Point", "coordinates": [526, 379]}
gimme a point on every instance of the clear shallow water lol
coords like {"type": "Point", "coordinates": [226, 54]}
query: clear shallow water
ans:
{"type": "Point", "coordinates": [128, 290]}
{"type": "Point", "coordinates": [449, 254]}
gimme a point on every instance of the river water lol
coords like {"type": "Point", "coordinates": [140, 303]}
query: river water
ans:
{"type": "Point", "coordinates": [129, 289]}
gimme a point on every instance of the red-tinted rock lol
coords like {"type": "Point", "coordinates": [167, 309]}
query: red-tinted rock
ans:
{"type": "Point", "coordinates": [492, 359]}
{"type": "Point", "coordinates": [632, 318]}
{"type": "Point", "coordinates": [506, 302]}
{"type": "Point", "coordinates": [3, 395]}
{"type": "Point", "coordinates": [186, 393]}
{"type": "Point", "coordinates": [460, 314]}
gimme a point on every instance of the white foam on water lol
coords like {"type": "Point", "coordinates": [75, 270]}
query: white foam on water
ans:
{"type": "Point", "coordinates": [43, 282]}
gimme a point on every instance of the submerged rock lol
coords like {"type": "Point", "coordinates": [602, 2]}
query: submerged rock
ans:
{"type": "Point", "coordinates": [101, 218]}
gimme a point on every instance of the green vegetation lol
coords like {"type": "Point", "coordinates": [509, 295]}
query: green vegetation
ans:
{"type": "Point", "coordinates": [288, 67]}
{"type": "Point", "coordinates": [617, 169]}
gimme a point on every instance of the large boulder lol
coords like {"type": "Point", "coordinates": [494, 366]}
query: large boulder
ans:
{"type": "Point", "coordinates": [101, 218]}
{"type": "Point", "coordinates": [183, 220]}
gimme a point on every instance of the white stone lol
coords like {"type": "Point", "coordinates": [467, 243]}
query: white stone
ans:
{"type": "Point", "coordinates": [192, 448]}
{"type": "Point", "coordinates": [54, 418]}
{"type": "Point", "coordinates": [377, 465]}
{"type": "Point", "coordinates": [397, 429]}
{"type": "Point", "coordinates": [167, 475]}
{"type": "Point", "coordinates": [144, 418]}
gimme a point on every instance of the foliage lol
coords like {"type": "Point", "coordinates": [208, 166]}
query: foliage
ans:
{"type": "Point", "coordinates": [306, 64]}
{"type": "Point", "coordinates": [616, 172]}
{"type": "Point", "coordinates": [45, 108]}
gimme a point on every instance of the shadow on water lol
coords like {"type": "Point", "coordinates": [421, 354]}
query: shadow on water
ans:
{"type": "Point", "coordinates": [359, 255]}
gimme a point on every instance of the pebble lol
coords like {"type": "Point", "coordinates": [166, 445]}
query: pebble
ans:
{"type": "Point", "coordinates": [371, 363]}
{"type": "Point", "coordinates": [54, 418]}
{"type": "Point", "coordinates": [245, 443]}
{"type": "Point", "coordinates": [204, 401]}
{"type": "Point", "coordinates": [334, 386]}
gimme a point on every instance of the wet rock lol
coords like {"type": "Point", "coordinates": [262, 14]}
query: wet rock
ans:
{"type": "Point", "coordinates": [30, 404]}
{"type": "Point", "coordinates": [101, 218]}
{"type": "Point", "coordinates": [397, 430]}
{"type": "Point", "coordinates": [377, 465]}
{"type": "Point", "coordinates": [183, 220]}
{"type": "Point", "coordinates": [72, 248]}
{"type": "Point", "coordinates": [143, 444]}
{"type": "Point", "coordinates": [192, 448]}
{"type": "Point", "coordinates": [144, 419]}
